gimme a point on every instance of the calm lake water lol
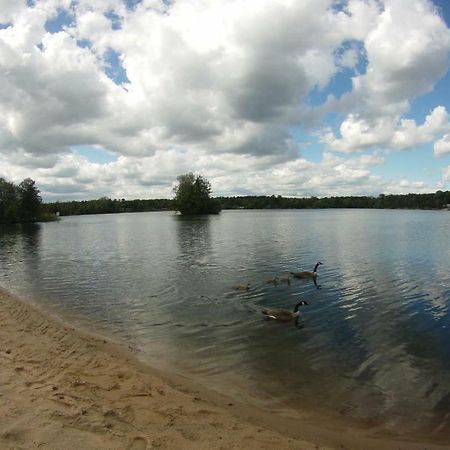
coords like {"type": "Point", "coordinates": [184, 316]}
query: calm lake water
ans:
{"type": "Point", "coordinates": [373, 344]}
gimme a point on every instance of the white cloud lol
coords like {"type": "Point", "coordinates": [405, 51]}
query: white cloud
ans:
{"type": "Point", "coordinates": [71, 176]}
{"type": "Point", "coordinates": [409, 134]}
{"type": "Point", "coordinates": [442, 146]}
{"type": "Point", "coordinates": [446, 174]}
{"type": "Point", "coordinates": [407, 52]}
{"type": "Point", "coordinates": [213, 84]}
{"type": "Point", "coordinates": [93, 25]}
{"type": "Point", "coordinates": [404, 186]}
{"type": "Point", "coordinates": [358, 133]}
{"type": "Point", "coordinates": [9, 10]}
{"type": "Point", "coordinates": [349, 58]}
{"type": "Point", "coordinates": [198, 73]}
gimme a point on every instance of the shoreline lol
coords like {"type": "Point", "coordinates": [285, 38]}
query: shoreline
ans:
{"type": "Point", "coordinates": [63, 387]}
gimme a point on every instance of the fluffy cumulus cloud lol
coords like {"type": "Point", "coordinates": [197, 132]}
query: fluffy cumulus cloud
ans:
{"type": "Point", "coordinates": [407, 51]}
{"type": "Point", "coordinates": [442, 146]}
{"type": "Point", "coordinates": [129, 176]}
{"type": "Point", "coordinates": [359, 133]}
{"type": "Point", "coordinates": [220, 88]}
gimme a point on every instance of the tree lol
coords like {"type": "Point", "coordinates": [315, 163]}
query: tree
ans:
{"type": "Point", "coordinates": [29, 200]}
{"type": "Point", "coordinates": [9, 210]}
{"type": "Point", "coordinates": [192, 195]}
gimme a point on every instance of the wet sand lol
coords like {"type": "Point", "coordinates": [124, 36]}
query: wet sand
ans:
{"type": "Point", "coordinates": [62, 388]}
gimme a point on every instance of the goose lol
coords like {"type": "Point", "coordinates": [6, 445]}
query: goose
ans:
{"type": "Point", "coordinates": [307, 274]}
{"type": "Point", "coordinates": [286, 279]}
{"type": "Point", "coordinates": [273, 281]}
{"type": "Point", "coordinates": [242, 287]}
{"type": "Point", "coordinates": [284, 315]}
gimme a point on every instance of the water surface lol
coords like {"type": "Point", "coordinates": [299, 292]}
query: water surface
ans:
{"type": "Point", "coordinates": [373, 344]}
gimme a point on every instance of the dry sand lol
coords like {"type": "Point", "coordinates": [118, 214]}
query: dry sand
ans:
{"type": "Point", "coordinates": [61, 388]}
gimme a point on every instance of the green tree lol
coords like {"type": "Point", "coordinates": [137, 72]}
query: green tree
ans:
{"type": "Point", "coordinates": [29, 200]}
{"type": "Point", "coordinates": [192, 195]}
{"type": "Point", "coordinates": [9, 212]}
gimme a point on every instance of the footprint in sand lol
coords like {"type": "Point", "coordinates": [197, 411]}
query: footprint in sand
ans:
{"type": "Point", "coordinates": [138, 443]}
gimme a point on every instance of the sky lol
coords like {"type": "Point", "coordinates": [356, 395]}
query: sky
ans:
{"type": "Point", "coordinates": [298, 98]}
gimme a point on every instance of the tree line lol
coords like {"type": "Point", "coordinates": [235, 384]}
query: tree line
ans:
{"type": "Point", "coordinates": [437, 200]}
{"type": "Point", "coordinates": [105, 205]}
{"type": "Point", "coordinates": [22, 202]}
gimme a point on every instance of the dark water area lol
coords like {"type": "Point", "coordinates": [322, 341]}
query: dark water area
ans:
{"type": "Point", "coordinates": [373, 344]}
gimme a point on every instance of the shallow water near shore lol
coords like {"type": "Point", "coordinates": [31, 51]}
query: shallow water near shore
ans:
{"type": "Point", "coordinates": [372, 344]}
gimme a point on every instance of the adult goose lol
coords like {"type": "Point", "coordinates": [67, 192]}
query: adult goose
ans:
{"type": "Point", "coordinates": [309, 275]}
{"type": "Point", "coordinates": [306, 273]}
{"type": "Point", "coordinates": [284, 315]}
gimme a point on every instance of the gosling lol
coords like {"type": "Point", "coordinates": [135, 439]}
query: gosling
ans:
{"type": "Point", "coordinates": [273, 281]}
{"type": "Point", "coordinates": [286, 279]}
{"type": "Point", "coordinates": [242, 287]}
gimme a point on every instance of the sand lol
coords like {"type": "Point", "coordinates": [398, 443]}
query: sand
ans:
{"type": "Point", "coordinates": [62, 388]}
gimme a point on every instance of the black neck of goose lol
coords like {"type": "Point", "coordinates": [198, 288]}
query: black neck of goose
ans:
{"type": "Point", "coordinates": [296, 307]}
{"type": "Point", "coordinates": [315, 268]}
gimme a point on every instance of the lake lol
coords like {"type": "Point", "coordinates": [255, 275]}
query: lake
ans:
{"type": "Point", "coordinates": [373, 344]}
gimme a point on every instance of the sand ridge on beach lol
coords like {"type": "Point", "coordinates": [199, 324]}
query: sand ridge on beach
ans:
{"type": "Point", "coordinates": [61, 388]}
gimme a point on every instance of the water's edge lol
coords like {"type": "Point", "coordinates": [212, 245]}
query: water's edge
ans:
{"type": "Point", "coordinates": [372, 345]}
{"type": "Point", "coordinates": [326, 429]}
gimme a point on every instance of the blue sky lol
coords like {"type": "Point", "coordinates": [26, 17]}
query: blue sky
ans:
{"type": "Point", "coordinates": [116, 98]}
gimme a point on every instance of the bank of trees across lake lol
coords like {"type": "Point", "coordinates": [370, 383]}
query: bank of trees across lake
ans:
{"type": "Point", "coordinates": [22, 202]}
{"type": "Point", "coordinates": [437, 200]}
{"type": "Point", "coordinates": [106, 205]}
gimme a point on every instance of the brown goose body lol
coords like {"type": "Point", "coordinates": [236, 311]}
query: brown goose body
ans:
{"type": "Point", "coordinates": [283, 315]}
{"type": "Point", "coordinates": [306, 274]}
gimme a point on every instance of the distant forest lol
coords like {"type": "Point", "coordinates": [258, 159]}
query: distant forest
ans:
{"type": "Point", "coordinates": [22, 203]}
{"type": "Point", "coordinates": [104, 205]}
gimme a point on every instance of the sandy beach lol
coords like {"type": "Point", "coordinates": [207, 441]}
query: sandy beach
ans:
{"type": "Point", "coordinates": [63, 388]}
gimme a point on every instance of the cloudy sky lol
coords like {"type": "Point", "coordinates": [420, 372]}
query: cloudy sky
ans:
{"type": "Point", "coordinates": [287, 97]}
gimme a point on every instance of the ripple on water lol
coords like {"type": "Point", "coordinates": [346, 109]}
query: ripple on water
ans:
{"type": "Point", "coordinates": [372, 344]}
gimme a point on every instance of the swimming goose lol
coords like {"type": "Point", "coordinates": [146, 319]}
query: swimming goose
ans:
{"type": "Point", "coordinates": [273, 281]}
{"type": "Point", "coordinates": [284, 315]}
{"type": "Point", "coordinates": [307, 274]}
{"type": "Point", "coordinates": [286, 279]}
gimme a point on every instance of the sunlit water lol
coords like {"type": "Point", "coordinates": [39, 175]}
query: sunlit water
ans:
{"type": "Point", "coordinates": [373, 344]}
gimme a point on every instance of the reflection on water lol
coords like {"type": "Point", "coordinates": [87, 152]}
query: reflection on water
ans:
{"type": "Point", "coordinates": [373, 342]}
{"type": "Point", "coordinates": [19, 252]}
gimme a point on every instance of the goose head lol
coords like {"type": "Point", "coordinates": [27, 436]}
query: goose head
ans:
{"type": "Point", "coordinates": [317, 265]}
{"type": "Point", "coordinates": [301, 303]}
